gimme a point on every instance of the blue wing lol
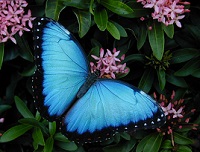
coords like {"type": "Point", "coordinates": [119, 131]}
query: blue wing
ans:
{"type": "Point", "coordinates": [61, 68]}
{"type": "Point", "coordinates": [110, 106]}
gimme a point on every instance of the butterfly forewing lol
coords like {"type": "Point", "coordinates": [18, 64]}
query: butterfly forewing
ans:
{"type": "Point", "coordinates": [61, 68]}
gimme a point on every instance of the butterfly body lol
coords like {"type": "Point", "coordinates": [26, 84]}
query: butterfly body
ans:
{"type": "Point", "coordinates": [92, 109]}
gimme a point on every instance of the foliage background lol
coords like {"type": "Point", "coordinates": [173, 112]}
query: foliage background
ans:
{"type": "Point", "coordinates": [162, 65]}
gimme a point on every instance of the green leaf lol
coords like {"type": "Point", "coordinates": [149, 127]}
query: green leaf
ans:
{"type": "Point", "coordinates": [112, 29]}
{"type": "Point", "coordinates": [14, 132]}
{"type": "Point", "coordinates": [167, 144]}
{"type": "Point", "coordinates": [4, 108]}
{"type": "Point", "coordinates": [33, 122]}
{"type": "Point", "coordinates": [182, 140]}
{"type": "Point", "coordinates": [116, 6]}
{"type": "Point", "coordinates": [169, 30]}
{"type": "Point", "coordinates": [142, 143]}
{"type": "Point", "coordinates": [156, 39]}
{"type": "Point", "coordinates": [53, 8]}
{"type": "Point", "coordinates": [38, 136]}
{"type": "Point", "coordinates": [24, 51]}
{"type": "Point", "coordinates": [1, 54]}
{"type": "Point", "coordinates": [22, 108]}
{"type": "Point", "coordinates": [182, 148]}
{"type": "Point", "coordinates": [101, 18]}
{"type": "Point", "coordinates": [84, 21]}
{"type": "Point", "coordinates": [120, 28]}
{"type": "Point", "coordinates": [177, 81]}
{"type": "Point", "coordinates": [49, 144]}
{"type": "Point", "coordinates": [142, 36]}
{"type": "Point", "coordinates": [70, 146]}
{"type": "Point", "coordinates": [183, 55]}
{"type": "Point", "coordinates": [154, 143]}
{"type": "Point", "coordinates": [125, 135]}
{"type": "Point", "coordinates": [92, 6]}
{"type": "Point", "coordinates": [146, 81]}
{"type": "Point", "coordinates": [126, 146]}
{"type": "Point", "coordinates": [60, 137]}
{"type": "Point", "coordinates": [196, 73]}
{"type": "Point", "coordinates": [138, 10]}
{"type": "Point", "coordinates": [52, 128]}
{"type": "Point", "coordinates": [134, 58]}
{"type": "Point", "coordinates": [80, 4]}
{"type": "Point", "coordinates": [189, 68]}
{"type": "Point", "coordinates": [161, 78]}
{"type": "Point", "coordinates": [29, 70]}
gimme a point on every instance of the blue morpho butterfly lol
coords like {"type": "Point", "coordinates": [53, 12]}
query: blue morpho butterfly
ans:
{"type": "Point", "coordinates": [90, 109]}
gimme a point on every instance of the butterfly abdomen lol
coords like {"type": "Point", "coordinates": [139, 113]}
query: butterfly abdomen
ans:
{"type": "Point", "coordinates": [92, 77]}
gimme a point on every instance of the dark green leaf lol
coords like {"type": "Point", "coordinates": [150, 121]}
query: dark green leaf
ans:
{"type": "Point", "coordinates": [126, 146]}
{"type": "Point", "coordinates": [161, 78]}
{"type": "Point", "coordinates": [92, 6]}
{"type": "Point", "coordinates": [189, 68]}
{"type": "Point", "coordinates": [1, 54]}
{"type": "Point", "coordinates": [53, 8]}
{"type": "Point", "coordinates": [60, 137]}
{"type": "Point", "coordinates": [138, 10]}
{"type": "Point", "coordinates": [194, 31]}
{"type": "Point", "coordinates": [120, 28]}
{"type": "Point", "coordinates": [142, 143]}
{"type": "Point", "coordinates": [101, 18]}
{"type": "Point", "coordinates": [33, 122]}
{"type": "Point", "coordinates": [183, 55]}
{"type": "Point", "coordinates": [4, 108]}
{"type": "Point", "coordinates": [116, 6]}
{"type": "Point", "coordinates": [169, 30]}
{"type": "Point", "coordinates": [14, 132]}
{"type": "Point", "coordinates": [146, 81]}
{"type": "Point", "coordinates": [80, 4]}
{"type": "Point", "coordinates": [167, 144]}
{"type": "Point", "coordinates": [142, 36]}
{"type": "Point", "coordinates": [29, 70]}
{"type": "Point", "coordinates": [38, 136]}
{"type": "Point", "coordinates": [70, 146]}
{"type": "Point", "coordinates": [196, 73]}
{"type": "Point", "coordinates": [112, 29]}
{"type": "Point", "coordinates": [182, 140]}
{"type": "Point", "coordinates": [84, 21]}
{"type": "Point", "coordinates": [22, 108]}
{"type": "Point", "coordinates": [24, 51]}
{"type": "Point", "coordinates": [177, 81]}
{"type": "Point", "coordinates": [182, 148]}
{"type": "Point", "coordinates": [125, 135]}
{"type": "Point", "coordinates": [134, 58]}
{"type": "Point", "coordinates": [49, 145]}
{"type": "Point", "coordinates": [52, 128]}
{"type": "Point", "coordinates": [11, 53]}
{"type": "Point", "coordinates": [154, 143]}
{"type": "Point", "coordinates": [156, 39]}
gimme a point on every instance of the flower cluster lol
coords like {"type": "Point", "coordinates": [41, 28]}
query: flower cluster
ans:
{"type": "Point", "coordinates": [166, 11]}
{"type": "Point", "coordinates": [13, 19]}
{"type": "Point", "coordinates": [177, 118]}
{"type": "Point", "coordinates": [108, 64]}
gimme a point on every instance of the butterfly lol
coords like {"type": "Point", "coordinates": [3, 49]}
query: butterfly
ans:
{"type": "Point", "coordinates": [90, 109]}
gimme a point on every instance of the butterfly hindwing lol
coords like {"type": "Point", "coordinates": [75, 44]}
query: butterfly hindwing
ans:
{"type": "Point", "coordinates": [61, 68]}
{"type": "Point", "coordinates": [110, 106]}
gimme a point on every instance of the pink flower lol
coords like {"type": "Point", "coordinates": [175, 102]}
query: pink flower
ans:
{"type": "Point", "coordinates": [177, 114]}
{"type": "Point", "coordinates": [166, 11]}
{"type": "Point", "coordinates": [109, 64]}
{"type": "Point", "coordinates": [167, 110]}
{"type": "Point", "coordinates": [13, 19]}
{"type": "Point", "coordinates": [1, 120]}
